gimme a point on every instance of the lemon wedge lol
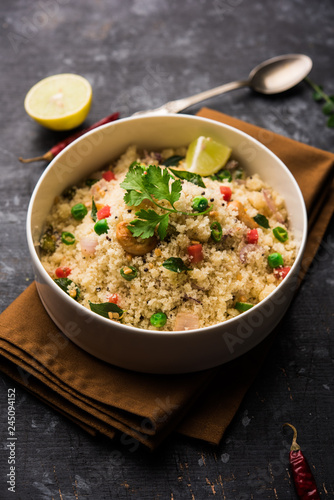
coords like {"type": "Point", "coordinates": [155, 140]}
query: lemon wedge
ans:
{"type": "Point", "coordinates": [59, 102]}
{"type": "Point", "coordinates": [206, 156]}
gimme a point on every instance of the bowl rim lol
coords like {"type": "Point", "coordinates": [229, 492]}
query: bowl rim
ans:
{"type": "Point", "coordinates": [142, 331]}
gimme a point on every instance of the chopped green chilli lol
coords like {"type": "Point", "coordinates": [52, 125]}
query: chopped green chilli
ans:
{"type": "Point", "coordinates": [275, 260]}
{"type": "Point", "coordinates": [200, 204]}
{"type": "Point", "coordinates": [280, 234]}
{"type": "Point", "coordinates": [261, 220]}
{"type": "Point", "coordinates": [67, 238]}
{"type": "Point", "coordinates": [243, 306]}
{"type": "Point", "coordinates": [216, 231]}
{"type": "Point", "coordinates": [129, 273]}
{"type": "Point", "coordinates": [47, 241]}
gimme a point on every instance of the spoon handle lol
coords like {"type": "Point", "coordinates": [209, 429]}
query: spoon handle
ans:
{"type": "Point", "coordinates": [181, 104]}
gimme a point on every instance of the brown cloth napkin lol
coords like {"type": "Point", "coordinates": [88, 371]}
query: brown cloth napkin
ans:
{"type": "Point", "coordinates": [102, 398]}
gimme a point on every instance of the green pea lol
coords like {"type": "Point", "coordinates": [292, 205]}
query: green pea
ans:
{"type": "Point", "coordinates": [67, 238]}
{"type": "Point", "coordinates": [216, 231]}
{"type": "Point", "coordinates": [275, 260]}
{"type": "Point", "coordinates": [79, 211]}
{"type": "Point", "coordinates": [280, 234]}
{"type": "Point", "coordinates": [243, 306]}
{"type": "Point", "coordinates": [158, 319]}
{"type": "Point", "coordinates": [101, 226]}
{"type": "Point", "coordinates": [200, 204]}
{"type": "Point", "coordinates": [129, 276]}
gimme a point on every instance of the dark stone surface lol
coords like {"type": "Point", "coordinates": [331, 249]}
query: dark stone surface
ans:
{"type": "Point", "coordinates": [137, 55]}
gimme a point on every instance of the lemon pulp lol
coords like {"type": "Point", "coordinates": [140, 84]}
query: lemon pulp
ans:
{"type": "Point", "coordinates": [59, 102]}
{"type": "Point", "coordinates": [206, 156]}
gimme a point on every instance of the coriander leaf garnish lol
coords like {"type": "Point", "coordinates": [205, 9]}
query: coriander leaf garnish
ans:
{"type": "Point", "coordinates": [320, 95]}
{"type": "Point", "coordinates": [188, 176]}
{"type": "Point", "coordinates": [176, 265]}
{"type": "Point", "coordinates": [94, 210]}
{"type": "Point", "coordinates": [104, 308]}
{"type": "Point", "coordinates": [172, 161]}
{"type": "Point", "coordinates": [154, 184]}
{"type": "Point", "coordinates": [146, 223]}
{"type": "Point", "coordinates": [136, 185]}
{"type": "Point", "coordinates": [158, 183]}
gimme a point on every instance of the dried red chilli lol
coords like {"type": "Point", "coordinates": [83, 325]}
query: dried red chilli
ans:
{"type": "Point", "coordinates": [301, 472]}
{"type": "Point", "coordinates": [49, 155]}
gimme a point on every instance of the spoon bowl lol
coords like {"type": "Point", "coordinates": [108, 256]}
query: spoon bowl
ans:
{"type": "Point", "coordinates": [279, 73]}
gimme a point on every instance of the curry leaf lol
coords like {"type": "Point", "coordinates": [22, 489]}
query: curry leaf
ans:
{"type": "Point", "coordinates": [261, 220]}
{"type": "Point", "coordinates": [173, 161]}
{"type": "Point", "coordinates": [104, 308]}
{"type": "Point", "coordinates": [65, 283]}
{"type": "Point", "coordinates": [188, 176]}
{"type": "Point", "coordinates": [176, 265]}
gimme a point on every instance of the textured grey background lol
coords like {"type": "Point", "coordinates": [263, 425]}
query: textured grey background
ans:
{"type": "Point", "coordinates": [138, 54]}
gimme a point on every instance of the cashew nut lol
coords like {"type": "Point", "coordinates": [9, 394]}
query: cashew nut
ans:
{"type": "Point", "coordinates": [242, 215]}
{"type": "Point", "coordinates": [132, 245]}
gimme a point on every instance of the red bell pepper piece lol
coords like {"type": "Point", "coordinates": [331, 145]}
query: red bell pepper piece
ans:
{"type": "Point", "coordinates": [103, 212]}
{"type": "Point", "coordinates": [108, 176]}
{"type": "Point", "coordinates": [62, 272]}
{"type": "Point", "coordinates": [281, 272]}
{"type": "Point", "coordinates": [226, 191]}
{"type": "Point", "coordinates": [252, 236]}
{"type": "Point", "coordinates": [114, 298]}
{"type": "Point", "coordinates": [195, 253]}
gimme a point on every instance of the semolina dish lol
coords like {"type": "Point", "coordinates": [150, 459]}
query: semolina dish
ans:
{"type": "Point", "coordinates": [152, 243]}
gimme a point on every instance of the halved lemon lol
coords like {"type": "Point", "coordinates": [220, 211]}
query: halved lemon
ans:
{"type": "Point", "coordinates": [59, 102]}
{"type": "Point", "coordinates": [206, 156]}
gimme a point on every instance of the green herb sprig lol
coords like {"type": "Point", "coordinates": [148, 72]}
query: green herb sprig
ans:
{"type": "Point", "coordinates": [320, 95]}
{"type": "Point", "coordinates": [155, 185]}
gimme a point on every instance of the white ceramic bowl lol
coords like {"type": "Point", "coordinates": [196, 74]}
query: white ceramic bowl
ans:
{"type": "Point", "coordinates": [155, 351]}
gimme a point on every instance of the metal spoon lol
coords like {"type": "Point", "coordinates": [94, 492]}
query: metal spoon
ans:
{"type": "Point", "coordinates": [270, 77]}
